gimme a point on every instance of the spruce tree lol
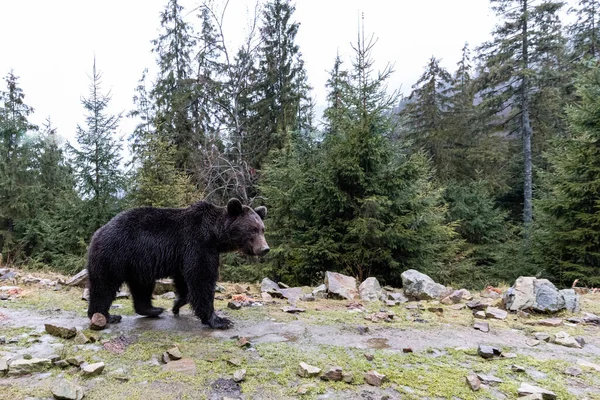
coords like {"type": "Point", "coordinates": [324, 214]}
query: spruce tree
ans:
{"type": "Point", "coordinates": [96, 159]}
{"type": "Point", "coordinates": [568, 233]}
{"type": "Point", "coordinates": [585, 31]}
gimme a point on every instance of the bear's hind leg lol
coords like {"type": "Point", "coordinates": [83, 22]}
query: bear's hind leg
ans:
{"type": "Point", "coordinates": [142, 299]}
{"type": "Point", "coordinates": [182, 294]}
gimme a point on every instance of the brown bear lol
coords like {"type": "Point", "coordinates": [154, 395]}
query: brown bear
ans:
{"type": "Point", "coordinates": [144, 244]}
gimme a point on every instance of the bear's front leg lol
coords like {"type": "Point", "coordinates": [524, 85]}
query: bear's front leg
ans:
{"type": "Point", "coordinates": [201, 279]}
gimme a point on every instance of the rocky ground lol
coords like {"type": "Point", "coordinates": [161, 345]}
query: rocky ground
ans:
{"type": "Point", "coordinates": [301, 346]}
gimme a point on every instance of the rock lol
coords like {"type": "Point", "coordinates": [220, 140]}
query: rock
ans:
{"type": "Point", "coordinates": [332, 374]}
{"type": "Point", "coordinates": [517, 368]}
{"type": "Point", "coordinates": [234, 305]}
{"type": "Point", "coordinates": [308, 371]}
{"type": "Point", "coordinates": [523, 314]}
{"type": "Point", "coordinates": [184, 366]}
{"type": "Point", "coordinates": [307, 297]}
{"type": "Point", "coordinates": [362, 329]}
{"type": "Point", "coordinates": [571, 300]}
{"type": "Point", "coordinates": [521, 295]}
{"type": "Point", "coordinates": [347, 377]}
{"type": "Point", "coordinates": [547, 297]}
{"type": "Point", "coordinates": [421, 286]}
{"type": "Point", "coordinates": [266, 296]}
{"type": "Point", "coordinates": [80, 279]}
{"type": "Point", "coordinates": [61, 363]}
{"type": "Point", "coordinates": [590, 318]}
{"type": "Point", "coordinates": [341, 285]}
{"type": "Point", "coordinates": [291, 293]}
{"type": "Point", "coordinates": [93, 369]}
{"type": "Point", "coordinates": [76, 361]}
{"type": "Point", "coordinates": [243, 342]}
{"type": "Point", "coordinates": [482, 326]}
{"type": "Point", "coordinates": [589, 365]}
{"type": "Point", "coordinates": [526, 389]}
{"type": "Point", "coordinates": [3, 366]}
{"type": "Point", "coordinates": [542, 336]}
{"type": "Point", "coordinates": [488, 351]}
{"type": "Point", "coordinates": [398, 297]}
{"type": "Point", "coordinates": [489, 379]}
{"type": "Point", "coordinates": [550, 322]}
{"type": "Point", "coordinates": [239, 375]}
{"type": "Point", "coordinates": [508, 355]}
{"type": "Point", "coordinates": [456, 296]}
{"type": "Point", "coordinates": [320, 291]}
{"type": "Point", "coordinates": [573, 370]}
{"type": "Point", "coordinates": [369, 357]}
{"type": "Point", "coordinates": [496, 313]}
{"type": "Point", "coordinates": [532, 342]}
{"type": "Point", "coordinates": [580, 340]}
{"type": "Point", "coordinates": [390, 303]}
{"type": "Point", "coordinates": [60, 331]}
{"type": "Point", "coordinates": [98, 322]}
{"type": "Point", "coordinates": [80, 338]}
{"type": "Point", "coordinates": [473, 382]}
{"type": "Point", "coordinates": [163, 286]}
{"type": "Point", "coordinates": [374, 378]}
{"type": "Point", "coordinates": [457, 307]}
{"type": "Point", "coordinates": [23, 367]}
{"type": "Point", "coordinates": [123, 293]}
{"type": "Point", "coordinates": [165, 358]}
{"type": "Point", "coordinates": [66, 390]}
{"type": "Point", "coordinates": [407, 350]}
{"type": "Point", "coordinates": [564, 339]}
{"type": "Point", "coordinates": [85, 295]}
{"type": "Point", "coordinates": [239, 289]}
{"type": "Point", "coordinates": [477, 305]}
{"type": "Point", "coordinates": [370, 290]}
{"type": "Point", "coordinates": [268, 285]}
{"type": "Point", "coordinates": [174, 353]}
{"type": "Point", "coordinates": [236, 362]}
{"type": "Point", "coordinates": [435, 309]}
{"type": "Point", "coordinates": [479, 314]}
{"type": "Point", "coordinates": [169, 296]}
{"type": "Point", "coordinates": [293, 310]}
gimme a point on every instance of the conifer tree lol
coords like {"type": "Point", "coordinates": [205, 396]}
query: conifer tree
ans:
{"type": "Point", "coordinates": [585, 31]}
{"type": "Point", "coordinates": [96, 159]}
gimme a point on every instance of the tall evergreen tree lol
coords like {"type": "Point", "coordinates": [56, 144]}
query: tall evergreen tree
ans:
{"type": "Point", "coordinates": [96, 159]}
{"type": "Point", "coordinates": [569, 225]}
{"type": "Point", "coordinates": [585, 31]}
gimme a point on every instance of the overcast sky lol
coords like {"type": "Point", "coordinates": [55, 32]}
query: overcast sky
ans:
{"type": "Point", "coordinates": [50, 45]}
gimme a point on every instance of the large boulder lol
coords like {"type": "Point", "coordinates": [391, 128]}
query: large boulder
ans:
{"type": "Point", "coordinates": [370, 290]}
{"type": "Point", "coordinates": [421, 286]}
{"type": "Point", "coordinates": [341, 285]}
{"type": "Point", "coordinates": [530, 293]}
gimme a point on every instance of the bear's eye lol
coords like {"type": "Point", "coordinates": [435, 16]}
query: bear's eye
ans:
{"type": "Point", "coordinates": [255, 230]}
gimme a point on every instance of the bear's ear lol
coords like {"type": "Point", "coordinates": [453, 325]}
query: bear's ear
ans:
{"type": "Point", "coordinates": [234, 207]}
{"type": "Point", "coordinates": [261, 211]}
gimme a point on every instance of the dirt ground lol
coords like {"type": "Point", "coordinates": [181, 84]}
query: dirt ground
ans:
{"type": "Point", "coordinates": [424, 354]}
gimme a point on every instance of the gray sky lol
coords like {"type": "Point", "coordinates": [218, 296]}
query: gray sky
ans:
{"type": "Point", "coordinates": [50, 45]}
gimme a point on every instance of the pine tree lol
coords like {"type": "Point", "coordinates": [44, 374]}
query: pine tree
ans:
{"type": "Point", "coordinates": [96, 159]}
{"type": "Point", "coordinates": [585, 31]}
{"type": "Point", "coordinates": [528, 37]}
{"type": "Point", "coordinates": [568, 232]}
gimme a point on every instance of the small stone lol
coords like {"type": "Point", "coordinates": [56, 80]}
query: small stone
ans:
{"type": "Point", "coordinates": [369, 357]}
{"type": "Point", "coordinates": [169, 296]}
{"type": "Point", "coordinates": [234, 305]}
{"type": "Point", "coordinates": [587, 364]}
{"type": "Point", "coordinates": [24, 367]}
{"type": "Point", "coordinates": [236, 362]}
{"type": "Point", "coordinates": [390, 303]}
{"type": "Point", "coordinates": [239, 289]}
{"type": "Point", "coordinates": [550, 322]}
{"type": "Point", "coordinates": [473, 382]}
{"type": "Point", "coordinates": [308, 371]}
{"type": "Point", "coordinates": [374, 378]}
{"type": "Point", "coordinates": [165, 358]}
{"type": "Point", "coordinates": [362, 329]}
{"type": "Point", "coordinates": [435, 309]}
{"type": "Point", "coordinates": [174, 353]}
{"type": "Point", "coordinates": [580, 340]}
{"type": "Point", "coordinates": [307, 297]}
{"type": "Point", "coordinates": [80, 338]}
{"type": "Point", "coordinates": [542, 336]}
{"type": "Point", "coordinates": [479, 314]}
{"type": "Point", "coordinates": [407, 350]}
{"type": "Point", "coordinates": [523, 314]}
{"type": "Point", "coordinates": [532, 342]}
{"type": "Point", "coordinates": [3, 366]}
{"type": "Point", "coordinates": [347, 377]}
{"type": "Point", "coordinates": [61, 363]}
{"type": "Point", "coordinates": [332, 374]}
{"type": "Point", "coordinates": [266, 296]}
{"type": "Point", "coordinates": [76, 361]}
{"type": "Point", "coordinates": [517, 368]}
{"type": "Point", "coordinates": [488, 351]}
{"type": "Point", "coordinates": [508, 355]}
{"type": "Point", "coordinates": [185, 366]}
{"type": "Point", "coordinates": [65, 390]}
{"type": "Point", "coordinates": [482, 326]}
{"type": "Point", "coordinates": [398, 297]}
{"type": "Point", "coordinates": [60, 331]}
{"type": "Point", "coordinates": [292, 310]}
{"type": "Point", "coordinates": [477, 305]}
{"type": "Point", "coordinates": [573, 370]}
{"type": "Point", "coordinates": [93, 369]}
{"type": "Point", "coordinates": [320, 292]}
{"type": "Point", "coordinates": [98, 322]}
{"type": "Point", "coordinates": [526, 389]}
{"type": "Point", "coordinates": [489, 379]}
{"type": "Point", "coordinates": [496, 313]}
{"type": "Point", "coordinates": [564, 339]}
{"type": "Point", "coordinates": [457, 307]}
{"type": "Point", "coordinates": [239, 375]}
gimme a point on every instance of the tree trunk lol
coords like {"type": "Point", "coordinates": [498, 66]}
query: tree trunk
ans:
{"type": "Point", "coordinates": [526, 130]}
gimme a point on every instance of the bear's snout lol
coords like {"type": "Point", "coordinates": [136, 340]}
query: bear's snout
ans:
{"type": "Point", "coordinates": [264, 251]}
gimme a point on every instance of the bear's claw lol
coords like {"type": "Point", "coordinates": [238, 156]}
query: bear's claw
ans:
{"type": "Point", "coordinates": [216, 322]}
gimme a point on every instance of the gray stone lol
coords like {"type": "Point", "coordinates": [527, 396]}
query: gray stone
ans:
{"type": "Point", "coordinates": [332, 374]}
{"type": "Point", "coordinates": [488, 351]}
{"type": "Point", "coordinates": [542, 336]}
{"type": "Point", "coordinates": [66, 390]}
{"type": "Point", "coordinates": [532, 342]}
{"type": "Point", "coordinates": [239, 375]}
{"type": "Point", "coordinates": [489, 379]}
{"type": "Point", "coordinates": [479, 314]}
{"type": "Point", "coordinates": [61, 363]}
{"type": "Point", "coordinates": [473, 382]}
{"type": "Point", "coordinates": [370, 290]}
{"type": "Point", "coordinates": [374, 378]}
{"type": "Point", "coordinates": [457, 307]}
{"type": "Point", "coordinates": [496, 313]}
{"type": "Point", "coordinates": [308, 371]}
{"type": "Point", "coordinates": [521, 295]}
{"type": "Point", "coordinates": [60, 331]}
{"type": "Point", "coordinates": [293, 310]}
{"type": "Point", "coordinates": [307, 297]}
{"type": "Point", "coordinates": [320, 291]}
{"type": "Point", "coordinates": [526, 389]}
{"type": "Point", "coordinates": [547, 297]}
{"type": "Point", "coordinates": [550, 322]}
{"type": "Point", "coordinates": [3, 366]}
{"type": "Point", "coordinates": [571, 300]}
{"type": "Point", "coordinates": [564, 339]}
{"type": "Point", "coordinates": [185, 366]}
{"type": "Point", "coordinates": [291, 293]}
{"type": "Point", "coordinates": [517, 368]}
{"type": "Point", "coordinates": [23, 367]}
{"type": "Point", "coordinates": [341, 285]}
{"type": "Point", "coordinates": [482, 326]}
{"type": "Point", "coordinates": [267, 285]}
{"type": "Point", "coordinates": [477, 305]}
{"type": "Point", "coordinates": [174, 353]}
{"type": "Point", "coordinates": [347, 377]}
{"type": "Point", "coordinates": [587, 364]}
{"type": "Point", "coordinates": [93, 369]}
{"type": "Point", "coordinates": [421, 286]}
{"type": "Point", "coordinates": [234, 305]}
{"type": "Point", "coordinates": [80, 279]}
{"type": "Point", "coordinates": [573, 370]}
{"type": "Point", "coordinates": [169, 296]}
{"type": "Point", "coordinates": [76, 361]}
{"type": "Point", "coordinates": [397, 297]}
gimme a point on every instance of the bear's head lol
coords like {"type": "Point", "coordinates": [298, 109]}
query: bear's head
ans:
{"type": "Point", "coordinates": [247, 230]}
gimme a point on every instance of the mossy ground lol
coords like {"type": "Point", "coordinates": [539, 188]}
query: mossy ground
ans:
{"type": "Point", "coordinates": [272, 366]}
